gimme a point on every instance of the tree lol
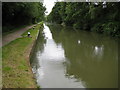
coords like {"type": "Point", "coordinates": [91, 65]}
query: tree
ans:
{"type": "Point", "coordinates": [88, 16]}
{"type": "Point", "coordinates": [21, 13]}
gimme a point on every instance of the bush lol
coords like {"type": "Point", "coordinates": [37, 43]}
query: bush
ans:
{"type": "Point", "coordinates": [112, 28]}
{"type": "Point", "coordinates": [98, 28]}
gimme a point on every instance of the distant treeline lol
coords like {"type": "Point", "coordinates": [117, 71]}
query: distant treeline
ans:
{"type": "Point", "coordinates": [21, 13]}
{"type": "Point", "coordinates": [100, 17]}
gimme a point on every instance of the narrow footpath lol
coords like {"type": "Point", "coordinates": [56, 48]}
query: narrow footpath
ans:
{"type": "Point", "coordinates": [12, 36]}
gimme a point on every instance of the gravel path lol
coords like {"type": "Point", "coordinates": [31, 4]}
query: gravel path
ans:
{"type": "Point", "coordinates": [12, 36]}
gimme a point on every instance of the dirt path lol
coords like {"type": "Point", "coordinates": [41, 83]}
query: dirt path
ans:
{"type": "Point", "coordinates": [12, 36]}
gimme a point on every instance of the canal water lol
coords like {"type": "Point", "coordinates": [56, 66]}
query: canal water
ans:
{"type": "Point", "coordinates": [67, 58]}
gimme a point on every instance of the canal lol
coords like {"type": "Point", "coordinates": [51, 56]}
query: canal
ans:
{"type": "Point", "coordinates": [67, 58]}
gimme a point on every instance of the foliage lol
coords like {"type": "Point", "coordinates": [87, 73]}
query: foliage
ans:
{"type": "Point", "coordinates": [85, 16]}
{"type": "Point", "coordinates": [21, 13]}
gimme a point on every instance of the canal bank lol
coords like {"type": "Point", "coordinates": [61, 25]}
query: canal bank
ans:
{"type": "Point", "coordinates": [17, 72]}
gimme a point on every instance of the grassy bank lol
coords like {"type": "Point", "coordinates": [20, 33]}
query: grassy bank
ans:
{"type": "Point", "coordinates": [15, 60]}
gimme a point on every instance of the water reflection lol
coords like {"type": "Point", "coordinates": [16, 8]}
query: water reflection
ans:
{"type": "Point", "coordinates": [92, 57]}
{"type": "Point", "coordinates": [52, 68]}
{"type": "Point", "coordinates": [47, 32]}
{"type": "Point", "coordinates": [78, 41]}
{"type": "Point", "coordinates": [99, 51]}
{"type": "Point", "coordinates": [65, 58]}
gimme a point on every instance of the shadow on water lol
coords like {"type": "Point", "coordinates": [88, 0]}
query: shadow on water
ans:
{"type": "Point", "coordinates": [38, 47]}
{"type": "Point", "coordinates": [74, 58]}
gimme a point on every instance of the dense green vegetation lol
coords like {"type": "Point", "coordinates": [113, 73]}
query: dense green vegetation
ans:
{"type": "Point", "coordinates": [15, 61]}
{"type": "Point", "coordinates": [17, 14]}
{"type": "Point", "coordinates": [88, 16]}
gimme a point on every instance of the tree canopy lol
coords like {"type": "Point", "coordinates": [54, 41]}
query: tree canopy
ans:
{"type": "Point", "coordinates": [20, 13]}
{"type": "Point", "coordinates": [101, 17]}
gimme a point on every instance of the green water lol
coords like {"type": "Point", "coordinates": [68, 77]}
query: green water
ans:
{"type": "Point", "coordinates": [68, 58]}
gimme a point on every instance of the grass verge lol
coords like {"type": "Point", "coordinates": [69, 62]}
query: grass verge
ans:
{"type": "Point", "coordinates": [16, 67]}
